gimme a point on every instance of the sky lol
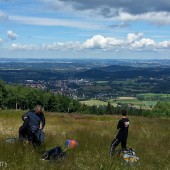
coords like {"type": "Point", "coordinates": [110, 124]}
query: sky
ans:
{"type": "Point", "coordinates": [115, 29]}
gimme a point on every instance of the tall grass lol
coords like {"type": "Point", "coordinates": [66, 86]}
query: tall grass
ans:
{"type": "Point", "coordinates": [148, 136]}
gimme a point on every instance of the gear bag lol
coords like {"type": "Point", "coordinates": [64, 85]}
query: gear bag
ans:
{"type": "Point", "coordinates": [129, 156]}
{"type": "Point", "coordinates": [54, 154]}
{"type": "Point", "coordinates": [40, 135]}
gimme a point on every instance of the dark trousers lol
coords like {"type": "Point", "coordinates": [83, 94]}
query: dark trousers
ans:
{"type": "Point", "coordinates": [35, 140]}
{"type": "Point", "coordinates": [26, 133]}
{"type": "Point", "coordinates": [23, 130]}
{"type": "Point", "coordinates": [115, 143]}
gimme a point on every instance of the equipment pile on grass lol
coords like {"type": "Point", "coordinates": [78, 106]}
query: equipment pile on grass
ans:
{"type": "Point", "coordinates": [129, 156]}
{"type": "Point", "coordinates": [57, 153]}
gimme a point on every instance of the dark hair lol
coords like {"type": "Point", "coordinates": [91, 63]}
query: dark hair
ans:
{"type": "Point", "coordinates": [124, 112]}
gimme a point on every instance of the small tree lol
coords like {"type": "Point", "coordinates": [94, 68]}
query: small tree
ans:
{"type": "Point", "coordinates": [109, 109]}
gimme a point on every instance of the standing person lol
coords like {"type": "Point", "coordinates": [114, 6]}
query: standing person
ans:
{"type": "Point", "coordinates": [123, 126]}
{"type": "Point", "coordinates": [32, 121]}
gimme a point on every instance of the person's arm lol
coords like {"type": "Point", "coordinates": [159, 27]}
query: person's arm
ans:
{"type": "Point", "coordinates": [43, 121]}
{"type": "Point", "coordinates": [25, 116]}
{"type": "Point", "coordinates": [119, 124]}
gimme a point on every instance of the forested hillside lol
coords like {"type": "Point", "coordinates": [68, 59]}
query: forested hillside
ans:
{"type": "Point", "coordinates": [21, 97]}
{"type": "Point", "coordinates": [24, 98]}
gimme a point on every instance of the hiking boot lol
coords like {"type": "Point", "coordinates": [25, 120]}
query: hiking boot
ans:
{"type": "Point", "coordinates": [124, 149]}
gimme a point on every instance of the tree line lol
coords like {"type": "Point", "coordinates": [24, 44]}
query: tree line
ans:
{"type": "Point", "coordinates": [24, 98]}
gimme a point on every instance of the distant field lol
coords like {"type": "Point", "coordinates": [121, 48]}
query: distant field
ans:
{"type": "Point", "coordinates": [94, 102]}
{"type": "Point", "coordinates": [123, 100]}
{"type": "Point", "coordinates": [155, 96]}
{"type": "Point", "coordinates": [150, 103]}
{"type": "Point", "coordinates": [148, 136]}
{"type": "Point", "coordinates": [102, 82]}
{"type": "Point", "coordinates": [125, 82]}
{"type": "Point", "coordinates": [126, 98]}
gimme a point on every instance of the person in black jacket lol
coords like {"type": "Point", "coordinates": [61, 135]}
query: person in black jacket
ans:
{"type": "Point", "coordinates": [123, 126]}
{"type": "Point", "coordinates": [31, 125]}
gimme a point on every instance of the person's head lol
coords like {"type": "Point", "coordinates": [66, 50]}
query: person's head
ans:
{"type": "Point", "coordinates": [124, 112]}
{"type": "Point", "coordinates": [38, 109]}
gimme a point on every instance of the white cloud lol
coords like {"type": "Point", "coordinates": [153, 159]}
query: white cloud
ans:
{"type": "Point", "coordinates": [62, 46]}
{"type": "Point", "coordinates": [133, 42]}
{"type": "Point", "coordinates": [24, 47]}
{"type": "Point", "coordinates": [11, 35]}
{"type": "Point", "coordinates": [132, 36]}
{"type": "Point", "coordinates": [2, 16]}
{"type": "Point", "coordinates": [99, 41]}
{"type": "Point", "coordinates": [164, 44]}
{"type": "Point", "coordinates": [52, 22]}
{"type": "Point", "coordinates": [144, 42]}
{"type": "Point", "coordinates": [158, 18]}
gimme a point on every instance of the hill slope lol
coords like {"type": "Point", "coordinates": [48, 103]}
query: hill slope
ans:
{"type": "Point", "coordinates": [94, 134]}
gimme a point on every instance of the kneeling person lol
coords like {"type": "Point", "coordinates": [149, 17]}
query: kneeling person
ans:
{"type": "Point", "coordinates": [31, 126]}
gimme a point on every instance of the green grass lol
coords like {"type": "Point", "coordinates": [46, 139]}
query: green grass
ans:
{"type": "Point", "coordinates": [134, 101]}
{"type": "Point", "coordinates": [154, 94]}
{"type": "Point", "coordinates": [150, 103]}
{"type": "Point", "coordinates": [124, 82]}
{"type": "Point", "coordinates": [148, 136]}
{"type": "Point", "coordinates": [102, 82]}
{"type": "Point", "coordinates": [94, 102]}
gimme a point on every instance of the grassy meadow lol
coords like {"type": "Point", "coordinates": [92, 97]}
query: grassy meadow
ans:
{"type": "Point", "coordinates": [92, 102]}
{"type": "Point", "coordinates": [148, 101]}
{"type": "Point", "coordinates": [123, 100]}
{"type": "Point", "coordinates": [150, 137]}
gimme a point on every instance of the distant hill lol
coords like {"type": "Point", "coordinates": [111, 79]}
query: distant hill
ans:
{"type": "Point", "coordinates": [113, 68]}
{"type": "Point", "coordinates": [120, 72]}
{"type": "Point", "coordinates": [92, 73]}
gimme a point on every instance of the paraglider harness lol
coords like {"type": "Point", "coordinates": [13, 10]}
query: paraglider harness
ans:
{"type": "Point", "coordinates": [56, 153]}
{"type": "Point", "coordinates": [33, 134]}
{"type": "Point", "coordinates": [36, 138]}
{"type": "Point", "coordinates": [128, 156]}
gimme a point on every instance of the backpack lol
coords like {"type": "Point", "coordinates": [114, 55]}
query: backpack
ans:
{"type": "Point", "coordinates": [40, 135]}
{"type": "Point", "coordinates": [54, 154]}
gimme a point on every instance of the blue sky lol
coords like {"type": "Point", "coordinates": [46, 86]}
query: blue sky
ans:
{"type": "Point", "coordinates": [85, 29]}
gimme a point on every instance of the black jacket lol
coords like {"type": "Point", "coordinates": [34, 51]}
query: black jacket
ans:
{"type": "Point", "coordinates": [123, 126]}
{"type": "Point", "coordinates": [34, 120]}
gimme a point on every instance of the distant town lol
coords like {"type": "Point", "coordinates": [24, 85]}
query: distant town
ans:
{"type": "Point", "coordinates": [63, 87]}
{"type": "Point", "coordinates": [89, 79]}
{"type": "Point", "coordinates": [85, 89]}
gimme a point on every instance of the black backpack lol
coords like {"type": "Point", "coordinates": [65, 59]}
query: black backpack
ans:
{"type": "Point", "coordinates": [54, 154]}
